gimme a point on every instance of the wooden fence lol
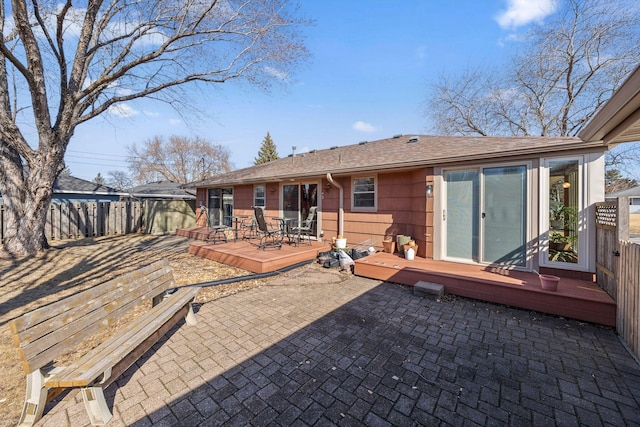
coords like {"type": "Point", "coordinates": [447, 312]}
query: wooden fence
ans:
{"type": "Point", "coordinates": [628, 298]}
{"type": "Point", "coordinates": [617, 267]}
{"type": "Point", "coordinates": [77, 220]}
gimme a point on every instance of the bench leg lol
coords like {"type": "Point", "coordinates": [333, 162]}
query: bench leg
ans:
{"type": "Point", "coordinates": [35, 399]}
{"type": "Point", "coordinates": [96, 405]}
{"type": "Point", "coordinates": [191, 318]}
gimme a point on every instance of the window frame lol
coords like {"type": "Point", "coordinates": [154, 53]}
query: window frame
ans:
{"type": "Point", "coordinates": [373, 208]}
{"type": "Point", "coordinates": [256, 197]}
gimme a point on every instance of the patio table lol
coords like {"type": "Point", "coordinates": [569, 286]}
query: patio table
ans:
{"type": "Point", "coordinates": [235, 219]}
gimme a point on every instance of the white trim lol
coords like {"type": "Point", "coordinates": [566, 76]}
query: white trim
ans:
{"type": "Point", "coordinates": [584, 262]}
{"type": "Point", "coordinates": [264, 197]}
{"type": "Point", "coordinates": [440, 206]}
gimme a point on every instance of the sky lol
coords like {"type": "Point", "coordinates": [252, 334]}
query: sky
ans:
{"type": "Point", "coordinates": [372, 63]}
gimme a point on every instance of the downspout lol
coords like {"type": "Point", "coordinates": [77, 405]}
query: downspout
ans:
{"type": "Point", "coordinates": [341, 210]}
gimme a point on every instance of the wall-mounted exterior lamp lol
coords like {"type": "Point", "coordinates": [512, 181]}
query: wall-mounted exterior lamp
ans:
{"type": "Point", "coordinates": [273, 189]}
{"type": "Point", "coordinates": [429, 191]}
{"type": "Point", "coordinates": [327, 187]}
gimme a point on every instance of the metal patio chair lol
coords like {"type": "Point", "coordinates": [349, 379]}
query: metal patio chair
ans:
{"type": "Point", "coordinates": [305, 228]}
{"type": "Point", "coordinates": [270, 237]}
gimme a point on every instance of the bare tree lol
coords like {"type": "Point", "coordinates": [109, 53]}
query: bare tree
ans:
{"type": "Point", "coordinates": [565, 70]}
{"type": "Point", "coordinates": [177, 159]}
{"type": "Point", "coordinates": [119, 180]}
{"type": "Point", "coordinates": [66, 65]}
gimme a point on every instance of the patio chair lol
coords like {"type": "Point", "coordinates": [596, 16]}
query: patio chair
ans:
{"type": "Point", "coordinates": [305, 228]}
{"type": "Point", "coordinates": [270, 237]}
{"type": "Point", "coordinates": [249, 228]}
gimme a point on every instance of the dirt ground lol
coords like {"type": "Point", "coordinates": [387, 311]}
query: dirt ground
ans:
{"type": "Point", "coordinates": [71, 266]}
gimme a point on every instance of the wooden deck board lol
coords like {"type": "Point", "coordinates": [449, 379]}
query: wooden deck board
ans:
{"type": "Point", "coordinates": [574, 298]}
{"type": "Point", "coordinates": [246, 255]}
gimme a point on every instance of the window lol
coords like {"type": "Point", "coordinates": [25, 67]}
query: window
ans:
{"type": "Point", "coordinates": [259, 195]}
{"type": "Point", "coordinates": [364, 194]}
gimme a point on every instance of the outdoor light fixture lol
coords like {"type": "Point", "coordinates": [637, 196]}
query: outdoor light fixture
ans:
{"type": "Point", "coordinates": [327, 187]}
{"type": "Point", "coordinates": [429, 190]}
{"type": "Point", "coordinates": [566, 184]}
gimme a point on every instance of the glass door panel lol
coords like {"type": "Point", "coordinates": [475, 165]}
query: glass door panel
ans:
{"type": "Point", "coordinates": [564, 206]}
{"type": "Point", "coordinates": [462, 214]}
{"type": "Point", "coordinates": [290, 200]}
{"type": "Point", "coordinates": [504, 215]}
{"type": "Point", "coordinates": [220, 206]}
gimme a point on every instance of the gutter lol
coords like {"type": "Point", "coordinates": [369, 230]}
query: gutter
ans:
{"type": "Point", "coordinates": [341, 210]}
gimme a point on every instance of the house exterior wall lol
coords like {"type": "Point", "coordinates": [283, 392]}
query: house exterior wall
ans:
{"type": "Point", "coordinates": [402, 208]}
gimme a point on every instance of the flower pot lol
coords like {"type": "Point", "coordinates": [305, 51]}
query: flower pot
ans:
{"type": "Point", "coordinates": [408, 246]}
{"type": "Point", "coordinates": [389, 246]}
{"type": "Point", "coordinates": [341, 243]}
{"type": "Point", "coordinates": [409, 253]}
{"type": "Point", "coordinates": [548, 282]}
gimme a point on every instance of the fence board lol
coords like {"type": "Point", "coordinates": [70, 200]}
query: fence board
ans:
{"type": "Point", "coordinates": [77, 220]}
{"type": "Point", "coordinates": [628, 316]}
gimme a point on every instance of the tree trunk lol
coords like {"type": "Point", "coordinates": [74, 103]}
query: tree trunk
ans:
{"type": "Point", "coordinates": [26, 198]}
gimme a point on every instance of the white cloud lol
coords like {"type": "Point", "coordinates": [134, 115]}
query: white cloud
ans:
{"type": "Point", "coordinates": [277, 73]}
{"type": "Point", "coordinates": [122, 110]}
{"type": "Point", "coordinates": [151, 113]}
{"type": "Point", "coordinates": [361, 126]}
{"type": "Point", "coordinates": [175, 122]}
{"type": "Point", "coordinates": [522, 12]}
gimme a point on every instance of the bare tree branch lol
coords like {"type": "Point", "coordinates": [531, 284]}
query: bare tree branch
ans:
{"type": "Point", "coordinates": [121, 51]}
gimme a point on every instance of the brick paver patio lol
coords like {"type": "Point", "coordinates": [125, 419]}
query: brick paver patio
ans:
{"type": "Point", "coordinates": [364, 353]}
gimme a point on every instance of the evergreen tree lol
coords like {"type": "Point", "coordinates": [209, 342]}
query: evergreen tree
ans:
{"type": "Point", "coordinates": [268, 151]}
{"type": "Point", "coordinates": [99, 179]}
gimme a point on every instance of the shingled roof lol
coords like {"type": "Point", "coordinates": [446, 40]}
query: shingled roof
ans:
{"type": "Point", "coordinates": [162, 189]}
{"type": "Point", "coordinates": [396, 153]}
{"type": "Point", "coordinates": [67, 184]}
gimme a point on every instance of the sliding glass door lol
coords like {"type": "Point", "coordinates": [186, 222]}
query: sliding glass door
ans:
{"type": "Point", "coordinates": [485, 215]}
{"type": "Point", "coordinates": [220, 205]}
{"type": "Point", "coordinates": [297, 201]}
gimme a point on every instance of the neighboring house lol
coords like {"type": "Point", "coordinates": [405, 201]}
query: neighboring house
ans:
{"type": "Point", "coordinates": [71, 189]}
{"type": "Point", "coordinates": [634, 198]}
{"type": "Point", "coordinates": [518, 202]}
{"type": "Point", "coordinates": [167, 206]}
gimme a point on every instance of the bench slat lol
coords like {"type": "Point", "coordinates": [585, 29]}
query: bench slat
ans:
{"type": "Point", "coordinates": [39, 353]}
{"type": "Point", "coordinates": [91, 366]}
{"type": "Point", "coordinates": [81, 301]}
{"type": "Point", "coordinates": [48, 339]}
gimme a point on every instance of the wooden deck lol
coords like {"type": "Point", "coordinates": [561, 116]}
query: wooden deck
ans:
{"type": "Point", "coordinates": [245, 254]}
{"type": "Point", "coordinates": [574, 298]}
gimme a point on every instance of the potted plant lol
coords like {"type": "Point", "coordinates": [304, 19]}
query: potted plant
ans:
{"type": "Point", "coordinates": [559, 242]}
{"type": "Point", "coordinates": [562, 217]}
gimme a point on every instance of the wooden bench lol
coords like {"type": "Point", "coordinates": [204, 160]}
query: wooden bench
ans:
{"type": "Point", "coordinates": [49, 332]}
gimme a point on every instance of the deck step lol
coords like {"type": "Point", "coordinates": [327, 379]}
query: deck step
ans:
{"type": "Point", "coordinates": [428, 288]}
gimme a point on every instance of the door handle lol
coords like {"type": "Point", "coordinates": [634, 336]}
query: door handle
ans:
{"type": "Point", "coordinates": [444, 214]}
{"type": "Point", "coordinates": [484, 215]}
